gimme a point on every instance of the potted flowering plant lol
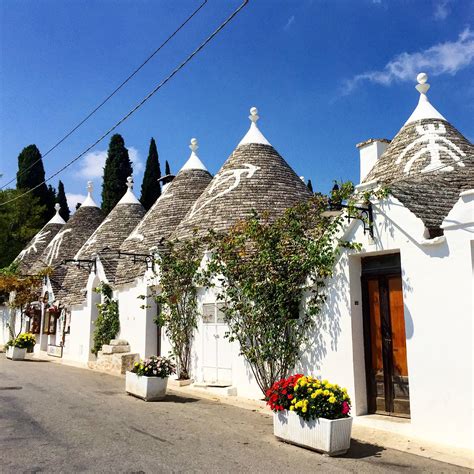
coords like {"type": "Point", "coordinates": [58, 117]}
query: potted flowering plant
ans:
{"type": "Point", "coordinates": [16, 348]}
{"type": "Point", "coordinates": [148, 378]}
{"type": "Point", "coordinates": [311, 413]}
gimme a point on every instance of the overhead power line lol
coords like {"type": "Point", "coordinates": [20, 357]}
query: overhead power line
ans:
{"type": "Point", "coordinates": [87, 117]}
{"type": "Point", "coordinates": [145, 99]}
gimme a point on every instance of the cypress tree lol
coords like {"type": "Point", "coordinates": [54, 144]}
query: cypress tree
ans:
{"type": "Point", "coordinates": [62, 201]}
{"type": "Point", "coordinates": [50, 211]}
{"type": "Point", "coordinates": [118, 168]}
{"type": "Point", "coordinates": [30, 174]}
{"type": "Point", "coordinates": [310, 186]}
{"type": "Point", "coordinates": [167, 168]}
{"type": "Point", "coordinates": [151, 188]}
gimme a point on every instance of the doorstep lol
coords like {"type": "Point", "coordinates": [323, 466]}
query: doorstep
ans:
{"type": "Point", "coordinates": [396, 433]}
{"type": "Point", "coordinates": [224, 390]}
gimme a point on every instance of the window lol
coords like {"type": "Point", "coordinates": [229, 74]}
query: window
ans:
{"type": "Point", "coordinates": [212, 313]}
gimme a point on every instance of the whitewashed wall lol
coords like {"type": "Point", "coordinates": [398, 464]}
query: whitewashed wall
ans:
{"type": "Point", "coordinates": [136, 324]}
{"type": "Point", "coordinates": [78, 343]}
{"type": "Point", "coordinates": [4, 319]}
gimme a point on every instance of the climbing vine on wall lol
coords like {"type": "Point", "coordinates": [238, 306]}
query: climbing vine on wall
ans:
{"type": "Point", "coordinates": [107, 324]}
{"type": "Point", "coordinates": [272, 276]}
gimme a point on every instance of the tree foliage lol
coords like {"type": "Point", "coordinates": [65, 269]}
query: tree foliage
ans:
{"type": "Point", "coordinates": [31, 174]}
{"type": "Point", "coordinates": [19, 290]}
{"type": "Point", "coordinates": [271, 280]}
{"type": "Point", "coordinates": [64, 212]}
{"type": "Point", "coordinates": [107, 324]}
{"type": "Point", "coordinates": [167, 168]}
{"type": "Point", "coordinates": [179, 277]}
{"type": "Point", "coordinates": [20, 221]}
{"type": "Point", "coordinates": [118, 168]}
{"type": "Point", "coordinates": [151, 189]}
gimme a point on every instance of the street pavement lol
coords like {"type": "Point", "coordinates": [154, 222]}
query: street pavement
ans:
{"type": "Point", "coordinates": [57, 418]}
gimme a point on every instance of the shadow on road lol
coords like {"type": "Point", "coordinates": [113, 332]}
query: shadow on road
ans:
{"type": "Point", "coordinates": [171, 398]}
{"type": "Point", "coordinates": [359, 450]}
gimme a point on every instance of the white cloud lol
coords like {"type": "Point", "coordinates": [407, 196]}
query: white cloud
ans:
{"type": "Point", "coordinates": [92, 165]}
{"type": "Point", "coordinates": [443, 58]}
{"type": "Point", "coordinates": [442, 10]}
{"type": "Point", "coordinates": [73, 199]}
{"type": "Point", "coordinates": [137, 163]}
{"type": "Point", "coordinates": [290, 21]}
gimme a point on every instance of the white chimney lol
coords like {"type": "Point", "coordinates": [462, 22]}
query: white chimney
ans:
{"type": "Point", "coordinates": [370, 151]}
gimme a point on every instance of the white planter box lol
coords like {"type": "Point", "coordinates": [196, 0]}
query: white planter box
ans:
{"type": "Point", "coordinates": [331, 437]}
{"type": "Point", "coordinates": [147, 388]}
{"type": "Point", "coordinates": [15, 353]}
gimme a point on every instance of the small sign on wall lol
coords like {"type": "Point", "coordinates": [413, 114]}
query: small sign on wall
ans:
{"type": "Point", "coordinates": [55, 351]}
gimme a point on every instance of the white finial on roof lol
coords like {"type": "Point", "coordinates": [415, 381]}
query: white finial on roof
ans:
{"type": "Point", "coordinates": [193, 163]}
{"type": "Point", "coordinates": [57, 219]}
{"type": "Point", "coordinates": [254, 115]}
{"type": "Point", "coordinates": [254, 135]}
{"type": "Point", "coordinates": [194, 144]}
{"type": "Point", "coordinates": [424, 110]}
{"type": "Point", "coordinates": [129, 197]}
{"type": "Point", "coordinates": [89, 201]}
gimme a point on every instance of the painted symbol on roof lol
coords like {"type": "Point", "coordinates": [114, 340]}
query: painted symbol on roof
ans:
{"type": "Point", "coordinates": [39, 239]}
{"type": "Point", "coordinates": [224, 183]}
{"type": "Point", "coordinates": [430, 135]}
{"type": "Point", "coordinates": [55, 245]}
{"type": "Point", "coordinates": [91, 240]}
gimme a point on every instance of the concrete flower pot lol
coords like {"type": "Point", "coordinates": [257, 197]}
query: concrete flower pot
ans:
{"type": "Point", "coordinates": [15, 353]}
{"type": "Point", "coordinates": [146, 388]}
{"type": "Point", "coordinates": [332, 437]}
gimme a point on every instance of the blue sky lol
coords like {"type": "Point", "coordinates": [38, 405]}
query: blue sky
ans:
{"type": "Point", "coordinates": [324, 75]}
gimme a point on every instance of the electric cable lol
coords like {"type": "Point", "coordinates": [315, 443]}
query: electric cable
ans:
{"type": "Point", "coordinates": [145, 99]}
{"type": "Point", "coordinates": [109, 96]}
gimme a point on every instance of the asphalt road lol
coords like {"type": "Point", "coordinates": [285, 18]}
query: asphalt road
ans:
{"type": "Point", "coordinates": [55, 418]}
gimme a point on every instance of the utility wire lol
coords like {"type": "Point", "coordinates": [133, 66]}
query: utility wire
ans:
{"type": "Point", "coordinates": [175, 32]}
{"type": "Point", "coordinates": [147, 97]}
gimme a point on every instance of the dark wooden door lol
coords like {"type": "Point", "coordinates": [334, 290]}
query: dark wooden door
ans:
{"type": "Point", "coordinates": [386, 357]}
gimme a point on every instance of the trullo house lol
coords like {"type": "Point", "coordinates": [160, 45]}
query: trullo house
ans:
{"type": "Point", "coordinates": [26, 259]}
{"type": "Point", "coordinates": [134, 270]}
{"type": "Point", "coordinates": [96, 262]}
{"type": "Point", "coordinates": [61, 249]}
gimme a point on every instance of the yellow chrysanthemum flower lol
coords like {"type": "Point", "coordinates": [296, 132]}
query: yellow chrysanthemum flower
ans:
{"type": "Point", "coordinates": [326, 393]}
{"type": "Point", "coordinates": [304, 410]}
{"type": "Point", "coordinates": [292, 408]}
{"type": "Point", "coordinates": [332, 400]}
{"type": "Point", "coordinates": [314, 395]}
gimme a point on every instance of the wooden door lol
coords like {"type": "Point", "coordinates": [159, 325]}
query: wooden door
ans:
{"type": "Point", "coordinates": [386, 357]}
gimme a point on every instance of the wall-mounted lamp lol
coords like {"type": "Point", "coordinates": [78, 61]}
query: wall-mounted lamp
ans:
{"type": "Point", "coordinates": [364, 214]}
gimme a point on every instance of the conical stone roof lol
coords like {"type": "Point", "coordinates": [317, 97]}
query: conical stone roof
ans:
{"type": "Point", "coordinates": [427, 164]}
{"type": "Point", "coordinates": [33, 251]}
{"type": "Point", "coordinates": [70, 239]}
{"type": "Point", "coordinates": [104, 243]}
{"type": "Point", "coordinates": [254, 178]}
{"type": "Point", "coordinates": [426, 144]}
{"type": "Point", "coordinates": [163, 217]}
